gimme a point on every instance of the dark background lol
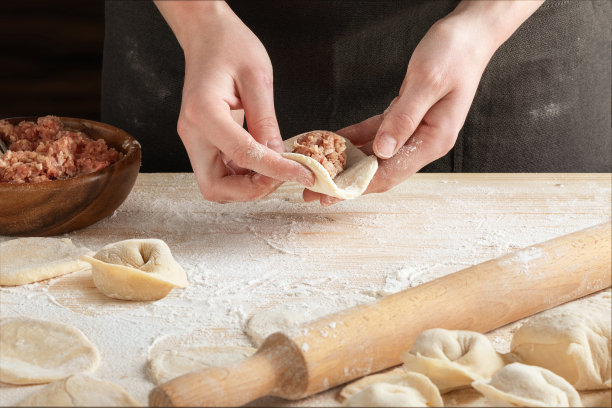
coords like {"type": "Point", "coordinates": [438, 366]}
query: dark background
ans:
{"type": "Point", "coordinates": [51, 57]}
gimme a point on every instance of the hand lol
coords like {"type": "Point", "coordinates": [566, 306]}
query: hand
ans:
{"type": "Point", "coordinates": [228, 70]}
{"type": "Point", "coordinates": [422, 123]}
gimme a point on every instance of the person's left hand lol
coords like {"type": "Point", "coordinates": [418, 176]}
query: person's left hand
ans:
{"type": "Point", "coordinates": [422, 123]}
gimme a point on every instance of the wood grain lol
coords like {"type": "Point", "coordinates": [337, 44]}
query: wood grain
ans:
{"type": "Point", "coordinates": [245, 257]}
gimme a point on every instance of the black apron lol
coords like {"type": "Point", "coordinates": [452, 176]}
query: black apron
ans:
{"type": "Point", "coordinates": [543, 104]}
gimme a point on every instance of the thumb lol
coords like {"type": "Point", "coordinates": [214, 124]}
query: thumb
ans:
{"type": "Point", "coordinates": [402, 118]}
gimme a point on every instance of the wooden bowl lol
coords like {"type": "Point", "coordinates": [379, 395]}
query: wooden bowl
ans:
{"type": "Point", "coordinates": [59, 206]}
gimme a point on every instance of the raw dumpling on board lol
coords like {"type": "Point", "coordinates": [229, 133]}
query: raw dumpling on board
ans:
{"type": "Point", "coordinates": [136, 269]}
{"type": "Point", "coordinates": [522, 385]}
{"type": "Point", "coordinates": [572, 340]}
{"type": "Point", "coordinates": [401, 388]}
{"type": "Point", "coordinates": [36, 351]}
{"type": "Point", "coordinates": [391, 395]}
{"type": "Point", "coordinates": [169, 364]}
{"type": "Point", "coordinates": [27, 260]}
{"type": "Point", "coordinates": [80, 391]}
{"type": "Point", "coordinates": [452, 359]}
{"type": "Point", "coordinates": [350, 183]}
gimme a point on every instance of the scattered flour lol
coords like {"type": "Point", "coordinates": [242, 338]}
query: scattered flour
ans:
{"type": "Point", "coordinates": [245, 257]}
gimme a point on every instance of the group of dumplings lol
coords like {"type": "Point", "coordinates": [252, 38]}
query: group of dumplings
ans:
{"type": "Point", "coordinates": [36, 351]}
{"type": "Point", "coordinates": [552, 355]}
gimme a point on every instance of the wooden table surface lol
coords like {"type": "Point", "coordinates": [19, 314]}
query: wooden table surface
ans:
{"type": "Point", "coordinates": [244, 257]}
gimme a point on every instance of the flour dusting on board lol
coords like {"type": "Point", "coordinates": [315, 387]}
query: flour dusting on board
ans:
{"type": "Point", "coordinates": [243, 258]}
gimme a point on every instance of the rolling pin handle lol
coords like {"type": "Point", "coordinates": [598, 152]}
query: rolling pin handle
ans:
{"type": "Point", "coordinates": [236, 385]}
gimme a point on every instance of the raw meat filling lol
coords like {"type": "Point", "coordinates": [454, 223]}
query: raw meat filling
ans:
{"type": "Point", "coordinates": [327, 148]}
{"type": "Point", "coordinates": [46, 150]}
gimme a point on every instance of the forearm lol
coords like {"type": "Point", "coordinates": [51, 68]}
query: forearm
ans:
{"type": "Point", "coordinates": [496, 20]}
{"type": "Point", "coordinates": [188, 18]}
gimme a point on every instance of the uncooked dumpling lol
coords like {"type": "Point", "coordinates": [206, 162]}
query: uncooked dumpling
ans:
{"type": "Point", "coordinates": [27, 260]}
{"type": "Point", "coordinates": [401, 388]}
{"type": "Point", "coordinates": [389, 395]}
{"type": "Point", "coordinates": [572, 340]}
{"type": "Point", "coordinates": [136, 269]}
{"type": "Point", "coordinates": [36, 351]}
{"type": "Point", "coordinates": [80, 391]}
{"type": "Point", "coordinates": [522, 385]}
{"type": "Point", "coordinates": [289, 315]}
{"type": "Point", "coordinates": [351, 183]}
{"type": "Point", "coordinates": [170, 364]}
{"type": "Point", "coordinates": [452, 358]}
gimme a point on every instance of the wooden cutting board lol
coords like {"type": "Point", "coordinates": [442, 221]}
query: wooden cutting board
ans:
{"type": "Point", "coordinates": [245, 257]}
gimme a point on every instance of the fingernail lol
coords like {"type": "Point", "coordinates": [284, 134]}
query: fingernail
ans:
{"type": "Point", "coordinates": [276, 145]}
{"type": "Point", "coordinates": [385, 146]}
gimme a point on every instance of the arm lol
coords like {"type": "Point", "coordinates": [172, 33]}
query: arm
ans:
{"type": "Point", "coordinates": [227, 71]}
{"type": "Point", "coordinates": [422, 123]}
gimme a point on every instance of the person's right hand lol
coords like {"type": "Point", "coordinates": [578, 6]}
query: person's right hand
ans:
{"type": "Point", "coordinates": [227, 70]}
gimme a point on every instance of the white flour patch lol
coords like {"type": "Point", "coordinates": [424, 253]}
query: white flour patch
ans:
{"type": "Point", "coordinates": [256, 151]}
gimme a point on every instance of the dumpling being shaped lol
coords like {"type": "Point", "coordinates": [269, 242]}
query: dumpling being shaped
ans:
{"type": "Point", "coordinates": [136, 269]}
{"type": "Point", "coordinates": [350, 183]}
{"type": "Point", "coordinates": [522, 385]}
{"type": "Point", "coordinates": [572, 340]}
{"type": "Point", "coordinates": [392, 389]}
{"type": "Point", "coordinates": [453, 359]}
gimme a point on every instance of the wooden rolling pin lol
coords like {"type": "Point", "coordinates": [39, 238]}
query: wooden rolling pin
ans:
{"type": "Point", "coordinates": [368, 338]}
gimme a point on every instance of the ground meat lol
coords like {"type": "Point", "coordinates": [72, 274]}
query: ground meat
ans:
{"type": "Point", "coordinates": [327, 148]}
{"type": "Point", "coordinates": [46, 150]}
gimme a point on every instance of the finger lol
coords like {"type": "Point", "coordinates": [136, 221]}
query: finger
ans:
{"type": "Point", "coordinates": [232, 167]}
{"type": "Point", "coordinates": [362, 132]}
{"type": "Point", "coordinates": [309, 195]}
{"type": "Point", "coordinates": [238, 116]}
{"type": "Point", "coordinates": [250, 187]}
{"type": "Point", "coordinates": [216, 181]}
{"type": "Point", "coordinates": [433, 139]}
{"type": "Point", "coordinates": [368, 148]}
{"type": "Point", "coordinates": [403, 117]}
{"type": "Point", "coordinates": [324, 200]}
{"type": "Point", "coordinates": [248, 153]}
{"type": "Point", "coordinates": [327, 201]}
{"type": "Point", "coordinates": [257, 96]}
